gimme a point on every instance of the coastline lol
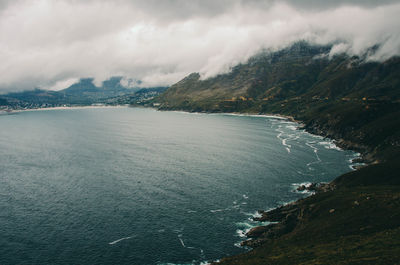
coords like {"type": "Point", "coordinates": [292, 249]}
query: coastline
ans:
{"type": "Point", "coordinates": [63, 108]}
{"type": "Point", "coordinates": [365, 156]}
{"type": "Point", "coordinates": [371, 175]}
{"type": "Point", "coordinates": [245, 114]}
{"type": "Point", "coordinates": [358, 160]}
{"type": "Point", "coordinates": [341, 223]}
{"type": "Point", "coordinates": [284, 218]}
{"type": "Point", "coordinates": [293, 208]}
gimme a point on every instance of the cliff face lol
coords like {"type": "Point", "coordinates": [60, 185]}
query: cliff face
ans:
{"type": "Point", "coordinates": [348, 99]}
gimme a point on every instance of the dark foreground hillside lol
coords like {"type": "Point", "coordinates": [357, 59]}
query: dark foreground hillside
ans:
{"type": "Point", "coordinates": [356, 218]}
{"type": "Point", "coordinates": [356, 223]}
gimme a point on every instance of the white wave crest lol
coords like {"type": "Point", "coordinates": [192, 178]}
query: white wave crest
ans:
{"type": "Point", "coordinates": [119, 240]}
{"type": "Point", "coordinates": [217, 210]}
{"type": "Point", "coordinates": [330, 145]}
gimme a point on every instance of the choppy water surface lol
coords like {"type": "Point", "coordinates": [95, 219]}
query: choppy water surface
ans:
{"type": "Point", "coordinates": [137, 186]}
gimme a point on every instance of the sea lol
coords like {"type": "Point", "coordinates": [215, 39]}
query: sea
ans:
{"type": "Point", "coordinates": [120, 185]}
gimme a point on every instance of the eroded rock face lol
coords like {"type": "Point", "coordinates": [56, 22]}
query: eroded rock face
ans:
{"type": "Point", "coordinates": [277, 214]}
{"type": "Point", "coordinates": [259, 230]}
{"type": "Point", "coordinates": [285, 219]}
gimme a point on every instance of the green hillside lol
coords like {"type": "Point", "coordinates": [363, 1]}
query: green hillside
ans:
{"type": "Point", "coordinates": [356, 218]}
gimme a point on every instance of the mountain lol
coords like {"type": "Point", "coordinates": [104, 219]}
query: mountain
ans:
{"type": "Point", "coordinates": [141, 97]}
{"type": "Point", "coordinates": [345, 98]}
{"type": "Point", "coordinates": [85, 92]}
{"type": "Point", "coordinates": [34, 97]}
{"type": "Point", "coordinates": [3, 102]}
{"type": "Point", "coordinates": [356, 218]}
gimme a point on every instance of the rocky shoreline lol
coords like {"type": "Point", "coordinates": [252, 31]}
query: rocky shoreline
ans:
{"type": "Point", "coordinates": [283, 219]}
{"type": "Point", "coordinates": [367, 154]}
{"type": "Point", "coordinates": [286, 218]}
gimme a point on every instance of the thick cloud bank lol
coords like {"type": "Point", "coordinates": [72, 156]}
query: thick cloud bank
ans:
{"type": "Point", "coordinates": [51, 44]}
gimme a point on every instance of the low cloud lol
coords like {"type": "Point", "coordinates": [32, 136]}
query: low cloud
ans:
{"type": "Point", "coordinates": [59, 85]}
{"type": "Point", "coordinates": [49, 44]}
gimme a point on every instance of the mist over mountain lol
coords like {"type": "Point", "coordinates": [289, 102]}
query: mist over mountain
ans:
{"type": "Point", "coordinates": [160, 42]}
{"type": "Point", "coordinates": [343, 97]}
{"type": "Point", "coordinates": [84, 92]}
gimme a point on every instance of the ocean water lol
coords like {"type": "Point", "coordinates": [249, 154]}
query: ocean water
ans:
{"type": "Point", "coordinates": [138, 186]}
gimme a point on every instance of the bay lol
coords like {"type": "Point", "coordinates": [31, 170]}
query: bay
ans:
{"type": "Point", "coordinates": [139, 186]}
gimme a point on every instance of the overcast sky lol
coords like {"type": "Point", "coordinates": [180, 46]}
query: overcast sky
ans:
{"type": "Point", "coordinates": [51, 44]}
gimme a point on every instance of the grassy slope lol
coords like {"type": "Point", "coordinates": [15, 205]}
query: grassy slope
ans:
{"type": "Point", "coordinates": [358, 104]}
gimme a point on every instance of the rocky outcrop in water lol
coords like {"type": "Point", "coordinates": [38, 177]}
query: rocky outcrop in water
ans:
{"type": "Point", "coordinates": [316, 187]}
{"type": "Point", "coordinates": [284, 219]}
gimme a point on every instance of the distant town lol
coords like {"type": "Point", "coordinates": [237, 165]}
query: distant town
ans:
{"type": "Point", "coordinates": [84, 93]}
